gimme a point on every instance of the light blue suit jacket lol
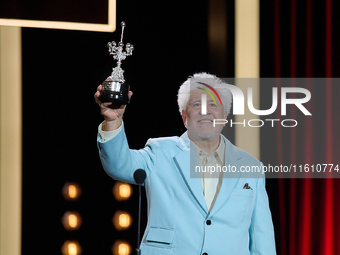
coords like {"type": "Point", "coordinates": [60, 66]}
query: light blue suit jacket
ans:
{"type": "Point", "coordinates": [178, 217]}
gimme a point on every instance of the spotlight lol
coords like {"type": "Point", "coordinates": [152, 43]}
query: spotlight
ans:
{"type": "Point", "coordinates": [122, 191]}
{"type": "Point", "coordinates": [122, 220]}
{"type": "Point", "coordinates": [71, 191]}
{"type": "Point", "coordinates": [121, 248]}
{"type": "Point", "coordinates": [71, 220]}
{"type": "Point", "coordinates": [71, 248]}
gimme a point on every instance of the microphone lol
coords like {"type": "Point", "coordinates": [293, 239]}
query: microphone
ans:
{"type": "Point", "coordinates": [139, 175]}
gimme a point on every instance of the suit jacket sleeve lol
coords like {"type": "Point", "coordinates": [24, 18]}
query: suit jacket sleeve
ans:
{"type": "Point", "coordinates": [120, 162]}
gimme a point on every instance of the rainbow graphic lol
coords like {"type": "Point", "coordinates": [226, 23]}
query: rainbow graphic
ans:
{"type": "Point", "coordinates": [209, 93]}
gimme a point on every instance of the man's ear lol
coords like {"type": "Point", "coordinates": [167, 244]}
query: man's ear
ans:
{"type": "Point", "coordinates": [184, 116]}
{"type": "Point", "coordinates": [225, 114]}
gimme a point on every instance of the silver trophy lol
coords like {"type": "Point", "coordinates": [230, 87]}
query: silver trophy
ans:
{"type": "Point", "coordinates": [115, 89]}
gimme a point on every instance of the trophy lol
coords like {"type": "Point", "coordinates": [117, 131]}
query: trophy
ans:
{"type": "Point", "coordinates": [115, 89]}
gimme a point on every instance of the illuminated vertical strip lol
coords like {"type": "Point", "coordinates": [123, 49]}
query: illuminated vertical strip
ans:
{"type": "Point", "coordinates": [293, 38]}
{"type": "Point", "coordinates": [247, 64]}
{"type": "Point", "coordinates": [217, 36]}
{"type": "Point", "coordinates": [329, 208]}
{"type": "Point", "coordinates": [204, 104]}
{"type": "Point", "coordinates": [10, 140]}
{"type": "Point", "coordinates": [293, 136]}
{"type": "Point", "coordinates": [329, 197]}
{"type": "Point", "coordinates": [277, 39]}
{"type": "Point", "coordinates": [277, 63]}
{"type": "Point", "coordinates": [305, 230]}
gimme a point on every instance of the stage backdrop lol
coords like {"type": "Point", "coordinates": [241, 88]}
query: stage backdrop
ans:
{"type": "Point", "coordinates": [61, 70]}
{"type": "Point", "coordinates": [300, 39]}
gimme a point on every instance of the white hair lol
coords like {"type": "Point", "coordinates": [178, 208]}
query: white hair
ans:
{"type": "Point", "coordinates": [210, 79]}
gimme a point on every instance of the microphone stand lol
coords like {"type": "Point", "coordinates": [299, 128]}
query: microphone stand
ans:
{"type": "Point", "coordinates": [139, 175]}
{"type": "Point", "coordinates": [139, 213]}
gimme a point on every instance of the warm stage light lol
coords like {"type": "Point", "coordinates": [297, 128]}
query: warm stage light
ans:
{"type": "Point", "coordinates": [71, 248]}
{"type": "Point", "coordinates": [122, 191]}
{"type": "Point", "coordinates": [71, 220]}
{"type": "Point", "coordinates": [122, 220]}
{"type": "Point", "coordinates": [71, 191]}
{"type": "Point", "coordinates": [121, 248]}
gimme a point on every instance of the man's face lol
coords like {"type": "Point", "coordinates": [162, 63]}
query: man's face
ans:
{"type": "Point", "coordinates": [198, 125]}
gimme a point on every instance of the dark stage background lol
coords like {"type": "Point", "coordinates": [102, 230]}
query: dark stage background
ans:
{"type": "Point", "coordinates": [61, 70]}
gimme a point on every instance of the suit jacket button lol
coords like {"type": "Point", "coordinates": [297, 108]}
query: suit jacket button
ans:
{"type": "Point", "coordinates": [208, 222]}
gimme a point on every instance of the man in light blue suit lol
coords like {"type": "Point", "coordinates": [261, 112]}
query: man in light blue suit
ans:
{"type": "Point", "coordinates": [193, 210]}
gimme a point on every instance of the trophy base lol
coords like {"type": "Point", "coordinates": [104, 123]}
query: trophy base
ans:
{"type": "Point", "coordinates": [115, 92]}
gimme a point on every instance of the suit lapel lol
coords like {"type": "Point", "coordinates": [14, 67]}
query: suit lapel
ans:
{"type": "Point", "coordinates": [183, 161]}
{"type": "Point", "coordinates": [229, 181]}
{"type": "Point", "coordinates": [186, 161]}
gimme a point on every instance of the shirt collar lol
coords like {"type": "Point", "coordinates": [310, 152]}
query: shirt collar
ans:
{"type": "Point", "coordinates": [220, 151]}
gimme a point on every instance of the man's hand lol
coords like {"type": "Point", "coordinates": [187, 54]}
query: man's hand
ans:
{"type": "Point", "coordinates": [112, 113]}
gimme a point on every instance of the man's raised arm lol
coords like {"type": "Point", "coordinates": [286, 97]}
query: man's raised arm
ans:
{"type": "Point", "coordinates": [113, 114]}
